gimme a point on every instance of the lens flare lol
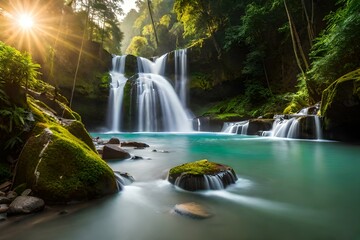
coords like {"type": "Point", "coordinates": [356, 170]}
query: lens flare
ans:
{"type": "Point", "coordinates": [25, 21]}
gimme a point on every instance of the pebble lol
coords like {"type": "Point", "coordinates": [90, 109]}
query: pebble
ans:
{"type": "Point", "coordinates": [3, 208]}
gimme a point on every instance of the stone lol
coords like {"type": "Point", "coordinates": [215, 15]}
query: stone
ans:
{"type": "Point", "coordinates": [192, 210]}
{"type": "Point", "coordinates": [26, 192]}
{"type": "Point", "coordinates": [66, 169]}
{"type": "Point", "coordinates": [5, 200]}
{"type": "Point", "coordinates": [137, 145]}
{"type": "Point", "coordinates": [26, 205]}
{"type": "Point", "coordinates": [113, 151]}
{"type": "Point", "coordinates": [256, 125]}
{"type": "Point", "coordinates": [114, 140]}
{"type": "Point", "coordinates": [11, 195]}
{"type": "Point", "coordinates": [5, 186]}
{"type": "Point", "coordinates": [202, 175]}
{"type": "Point", "coordinates": [4, 208]}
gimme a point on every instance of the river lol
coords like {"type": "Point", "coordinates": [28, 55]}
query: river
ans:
{"type": "Point", "coordinates": [287, 189]}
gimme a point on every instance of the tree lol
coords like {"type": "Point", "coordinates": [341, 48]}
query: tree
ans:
{"type": "Point", "coordinates": [335, 52]}
{"type": "Point", "coordinates": [139, 47]}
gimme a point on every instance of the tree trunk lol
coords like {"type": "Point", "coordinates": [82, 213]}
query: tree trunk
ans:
{"type": "Point", "coordinates": [293, 39]}
{"type": "Point", "coordinates": [153, 23]}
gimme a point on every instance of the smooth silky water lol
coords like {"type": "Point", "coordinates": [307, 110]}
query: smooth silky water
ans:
{"type": "Point", "coordinates": [287, 189]}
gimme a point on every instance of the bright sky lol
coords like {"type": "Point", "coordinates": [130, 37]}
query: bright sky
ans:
{"type": "Point", "coordinates": [128, 5]}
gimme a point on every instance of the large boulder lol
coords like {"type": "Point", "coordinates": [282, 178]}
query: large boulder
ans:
{"type": "Point", "coordinates": [77, 129]}
{"type": "Point", "coordinates": [259, 125]}
{"type": "Point", "coordinates": [61, 168]}
{"type": "Point", "coordinates": [340, 107]}
{"type": "Point", "coordinates": [114, 151]}
{"type": "Point", "coordinates": [202, 175]}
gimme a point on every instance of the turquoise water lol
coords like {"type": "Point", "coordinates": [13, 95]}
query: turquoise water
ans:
{"type": "Point", "coordinates": [287, 189]}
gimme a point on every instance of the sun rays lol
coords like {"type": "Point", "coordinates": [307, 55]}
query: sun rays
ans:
{"type": "Point", "coordinates": [37, 27]}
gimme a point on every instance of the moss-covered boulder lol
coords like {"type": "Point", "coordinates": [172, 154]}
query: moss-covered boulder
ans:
{"type": "Point", "coordinates": [340, 107]}
{"type": "Point", "coordinates": [77, 129]}
{"type": "Point", "coordinates": [61, 168]}
{"type": "Point", "coordinates": [202, 175]}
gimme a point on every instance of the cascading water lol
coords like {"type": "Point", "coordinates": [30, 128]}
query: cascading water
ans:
{"type": "Point", "coordinates": [181, 80]}
{"type": "Point", "coordinates": [117, 84]}
{"type": "Point", "coordinates": [155, 106]}
{"type": "Point", "coordinates": [304, 124]}
{"type": "Point", "coordinates": [236, 127]}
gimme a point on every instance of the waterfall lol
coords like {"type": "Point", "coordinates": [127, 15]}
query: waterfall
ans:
{"type": "Point", "coordinates": [216, 181]}
{"type": "Point", "coordinates": [286, 128]}
{"type": "Point", "coordinates": [304, 125]}
{"type": "Point", "coordinates": [117, 84]}
{"type": "Point", "coordinates": [236, 127]}
{"type": "Point", "coordinates": [155, 106]}
{"type": "Point", "coordinates": [318, 127]}
{"type": "Point", "coordinates": [181, 79]}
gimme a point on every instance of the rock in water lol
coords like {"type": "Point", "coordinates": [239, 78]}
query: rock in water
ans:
{"type": "Point", "coordinates": [25, 205]}
{"type": "Point", "coordinates": [113, 151]}
{"type": "Point", "coordinates": [202, 175]}
{"type": "Point", "coordinates": [114, 140]}
{"type": "Point", "coordinates": [192, 210]}
{"type": "Point", "coordinates": [134, 144]}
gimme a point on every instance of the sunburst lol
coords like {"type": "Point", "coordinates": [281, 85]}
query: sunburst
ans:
{"type": "Point", "coordinates": [34, 26]}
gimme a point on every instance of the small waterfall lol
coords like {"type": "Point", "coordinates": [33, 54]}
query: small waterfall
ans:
{"type": "Point", "coordinates": [286, 128]}
{"type": "Point", "coordinates": [236, 127]}
{"type": "Point", "coordinates": [155, 106]}
{"type": "Point", "coordinates": [304, 125]}
{"type": "Point", "coordinates": [207, 181]}
{"type": "Point", "coordinates": [181, 79]}
{"type": "Point", "coordinates": [123, 179]}
{"type": "Point", "coordinates": [319, 134]}
{"type": "Point", "coordinates": [117, 84]}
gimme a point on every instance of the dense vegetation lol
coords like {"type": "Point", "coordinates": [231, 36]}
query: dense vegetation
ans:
{"type": "Point", "coordinates": [248, 58]}
{"type": "Point", "coordinates": [277, 54]}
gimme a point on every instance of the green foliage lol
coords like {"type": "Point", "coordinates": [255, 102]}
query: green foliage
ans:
{"type": "Point", "coordinates": [336, 50]}
{"type": "Point", "coordinates": [16, 69]}
{"type": "Point", "coordinates": [201, 80]}
{"type": "Point", "coordinates": [139, 47]}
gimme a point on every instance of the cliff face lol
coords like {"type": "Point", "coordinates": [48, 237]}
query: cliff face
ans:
{"type": "Point", "coordinates": [340, 108]}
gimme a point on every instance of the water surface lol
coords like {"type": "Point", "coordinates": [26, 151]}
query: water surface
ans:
{"type": "Point", "coordinates": [287, 189]}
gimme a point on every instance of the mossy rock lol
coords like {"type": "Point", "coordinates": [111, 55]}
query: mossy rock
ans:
{"type": "Point", "coordinates": [340, 107]}
{"type": "Point", "coordinates": [61, 168]}
{"type": "Point", "coordinates": [77, 129]}
{"type": "Point", "coordinates": [202, 175]}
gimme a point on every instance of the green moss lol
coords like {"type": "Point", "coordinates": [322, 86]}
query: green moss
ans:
{"type": "Point", "coordinates": [200, 167]}
{"type": "Point", "coordinates": [77, 129]}
{"type": "Point", "coordinates": [67, 169]}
